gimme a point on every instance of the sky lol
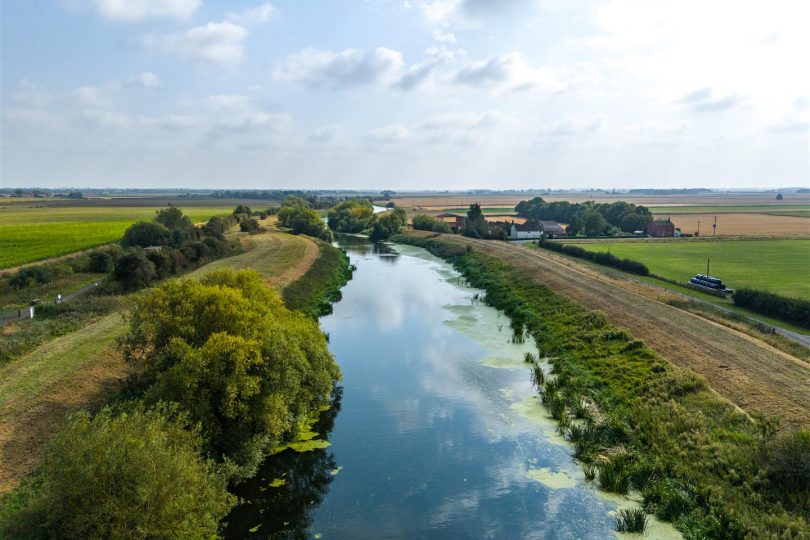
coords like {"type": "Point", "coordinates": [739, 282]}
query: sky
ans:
{"type": "Point", "coordinates": [404, 94]}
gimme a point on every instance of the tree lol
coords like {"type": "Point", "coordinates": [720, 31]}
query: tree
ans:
{"type": "Point", "coordinates": [173, 218]}
{"type": "Point", "coordinates": [422, 222]}
{"type": "Point", "coordinates": [133, 271]}
{"type": "Point", "coordinates": [632, 222]}
{"type": "Point", "coordinates": [575, 226]}
{"type": "Point", "coordinates": [779, 197]}
{"type": "Point", "coordinates": [242, 210]}
{"type": "Point", "coordinates": [475, 225]}
{"type": "Point", "coordinates": [229, 353]}
{"type": "Point", "coordinates": [250, 226]}
{"type": "Point", "coordinates": [144, 234]}
{"type": "Point", "coordinates": [594, 223]}
{"type": "Point", "coordinates": [132, 475]}
{"type": "Point", "coordinates": [75, 195]}
{"type": "Point", "coordinates": [387, 224]}
{"type": "Point", "coordinates": [352, 216]}
{"type": "Point", "coordinates": [100, 262]}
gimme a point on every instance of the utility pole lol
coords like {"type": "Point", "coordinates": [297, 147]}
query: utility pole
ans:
{"type": "Point", "coordinates": [714, 227]}
{"type": "Point", "coordinates": [707, 267]}
{"type": "Point", "coordinates": [698, 232]}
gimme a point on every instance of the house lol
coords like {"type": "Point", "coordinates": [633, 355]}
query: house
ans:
{"type": "Point", "coordinates": [552, 229]}
{"type": "Point", "coordinates": [661, 228]}
{"type": "Point", "coordinates": [524, 231]}
{"type": "Point", "coordinates": [455, 221]}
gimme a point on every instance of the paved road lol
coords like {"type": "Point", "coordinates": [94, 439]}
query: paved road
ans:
{"type": "Point", "coordinates": [13, 315]}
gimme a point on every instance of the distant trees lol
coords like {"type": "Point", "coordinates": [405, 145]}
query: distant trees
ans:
{"type": "Point", "coordinates": [387, 224]}
{"type": "Point", "coordinates": [75, 195]}
{"type": "Point", "coordinates": [619, 215]}
{"type": "Point", "coordinates": [296, 214]}
{"type": "Point", "coordinates": [352, 216]}
{"type": "Point", "coordinates": [594, 223]}
{"type": "Point", "coordinates": [421, 222]}
{"type": "Point", "coordinates": [242, 210]}
{"type": "Point", "coordinates": [475, 225]}
{"type": "Point", "coordinates": [779, 197]}
{"type": "Point", "coordinates": [132, 475]}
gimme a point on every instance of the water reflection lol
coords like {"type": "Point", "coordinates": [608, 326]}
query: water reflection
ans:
{"type": "Point", "coordinates": [278, 501]}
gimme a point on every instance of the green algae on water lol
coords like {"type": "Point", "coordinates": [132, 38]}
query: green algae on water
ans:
{"type": "Point", "coordinates": [553, 480]}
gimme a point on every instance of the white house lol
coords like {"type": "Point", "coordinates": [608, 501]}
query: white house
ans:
{"type": "Point", "coordinates": [522, 231]}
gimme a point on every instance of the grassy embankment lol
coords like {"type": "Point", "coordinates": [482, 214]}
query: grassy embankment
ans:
{"type": "Point", "coordinates": [644, 423]}
{"type": "Point", "coordinates": [37, 388]}
{"type": "Point", "coordinates": [29, 234]}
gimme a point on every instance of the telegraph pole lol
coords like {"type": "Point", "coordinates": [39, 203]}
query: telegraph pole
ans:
{"type": "Point", "coordinates": [714, 227]}
{"type": "Point", "coordinates": [707, 267]}
{"type": "Point", "coordinates": [698, 232]}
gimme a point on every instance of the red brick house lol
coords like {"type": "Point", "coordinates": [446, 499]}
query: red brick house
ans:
{"type": "Point", "coordinates": [661, 228]}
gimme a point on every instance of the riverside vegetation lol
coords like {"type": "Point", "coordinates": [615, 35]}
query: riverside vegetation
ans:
{"type": "Point", "coordinates": [226, 374]}
{"type": "Point", "coordinates": [637, 422]}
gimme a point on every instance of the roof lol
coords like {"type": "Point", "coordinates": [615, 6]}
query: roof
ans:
{"type": "Point", "coordinates": [662, 220]}
{"type": "Point", "coordinates": [552, 226]}
{"type": "Point", "coordinates": [449, 214]}
{"type": "Point", "coordinates": [525, 227]}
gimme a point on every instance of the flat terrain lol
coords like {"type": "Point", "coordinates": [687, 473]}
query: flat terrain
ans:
{"type": "Point", "coordinates": [83, 369]}
{"type": "Point", "coordinates": [780, 266]}
{"type": "Point", "coordinates": [742, 224]}
{"type": "Point", "coordinates": [750, 373]}
{"type": "Point", "coordinates": [30, 233]}
{"type": "Point", "coordinates": [775, 209]}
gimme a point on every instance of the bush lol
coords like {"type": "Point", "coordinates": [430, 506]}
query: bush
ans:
{"type": "Point", "coordinates": [145, 234]}
{"type": "Point", "coordinates": [133, 271]}
{"type": "Point", "coordinates": [250, 225]}
{"type": "Point", "coordinates": [100, 262]}
{"type": "Point", "coordinates": [632, 520]}
{"type": "Point", "coordinates": [422, 222]}
{"type": "Point", "coordinates": [792, 310]}
{"type": "Point", "coordinates": [30, 276]}
{"type": "Point", "coordinates": [599, 257]}
{"type": "Point", "coordinates": [669, 499]}
{"type": "Point", "coordinates": [136, 475]}
{"type": "Point", "coordinates": [785, 463]}
{"type": "Point", "coordinates": [614, 475]}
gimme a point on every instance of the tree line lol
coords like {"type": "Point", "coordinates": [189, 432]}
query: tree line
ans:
{"type": "Point", "coordinates": [792, 310]}
{"type": "Point", "coordinates": [357, 216]}
{"type": "Point", "coordinates": [589, 218]}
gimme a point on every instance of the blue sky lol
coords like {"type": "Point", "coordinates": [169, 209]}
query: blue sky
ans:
{"type": "Point", "coordinates": [404, 94]}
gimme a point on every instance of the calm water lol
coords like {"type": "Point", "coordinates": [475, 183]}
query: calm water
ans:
{"type": "Point", "coordinates": [437, 432]}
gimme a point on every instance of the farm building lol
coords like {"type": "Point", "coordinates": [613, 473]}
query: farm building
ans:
{"type": "Point", "coordinates": [661, 227]}
{"type": "Point", "coordinates": [525, 231]}
{"type": "Point", "coordinates": [552, 229]}
{"type": "Point", "coordinates": [455, 221]}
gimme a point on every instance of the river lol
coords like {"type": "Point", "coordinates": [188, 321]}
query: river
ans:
{"type": "Point", "coordinates": [437, 432]}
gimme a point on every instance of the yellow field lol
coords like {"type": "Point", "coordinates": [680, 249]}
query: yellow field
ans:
{"type": "Point", "coordinates": [742, 224]}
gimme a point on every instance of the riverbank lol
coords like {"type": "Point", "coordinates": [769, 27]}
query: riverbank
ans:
{"type": "Point", "coordinates": [636, 420]}
{"type": "Point", "coordinates": [319, 287]}
{"type": "Point", "coordinates": [84, 369]}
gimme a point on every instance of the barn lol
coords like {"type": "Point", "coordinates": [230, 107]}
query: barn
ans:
{"type": "Point", "coordinates": [525, 231]}
{"type": "Point", "coordinates": [661, 227]}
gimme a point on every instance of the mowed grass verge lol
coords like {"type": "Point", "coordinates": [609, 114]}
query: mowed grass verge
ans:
{"type": "Point", "coordinates": [29, 234]}
{"type": "Point", "coordinates": [779, 266]}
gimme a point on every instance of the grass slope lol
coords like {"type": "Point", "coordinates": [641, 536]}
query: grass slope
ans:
{"type": "Point", "coordinates": [779, 266]}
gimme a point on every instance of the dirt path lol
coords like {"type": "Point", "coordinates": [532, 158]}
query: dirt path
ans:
{"type": "Point", "coordinates": [82, 369]}
{"type": "Point", "coordinates": [750, 373]}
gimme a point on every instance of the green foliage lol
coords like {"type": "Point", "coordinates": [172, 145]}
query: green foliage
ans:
{"type": "Point", "coordinates": [785, 465]}
{"type": "Point", "coordinates": [100, 262]}
{"type": "Point", "coordinates": [234, 358]}
{"type": "Point", "coordinates": [632, 520]}
{"type": "Point", "coordinates": [422, 222]}
{"type": "Point", "coordinates": [599, 257]}
{"type": "Point", "coordinates": [792, 310]}
{"type": "Point", "coordinates": [144, 234]}
{"type": "Point", "coordinates": [663, 421]}
{"type": "Point", "coordinates": [315, 291]}
{"type": "Point", "coordinates": [133, 271]}
{"type": "Point", "coordinates": [352, 216]}
{"type": "Point", "coordinates": [669, 499]}
{"type": "Point", "coordinates": [133, 475]}
{"type": "Point", "coordinates": [580, 217]}
{"type": "Point", "coordinates": [387, 224]}
{"type": "Point", "coordinates": [31, 275]}
{"type": "Point", "coordinates": [594, 223]}
{"type": "Point", "coordinates": [250, 225]}
{"type": "Point", "coordinates": [242, 210]}
{"type": "Point", "coordinates": [296, 214]}
{"type": "Point", "coordinates": [475, 225]}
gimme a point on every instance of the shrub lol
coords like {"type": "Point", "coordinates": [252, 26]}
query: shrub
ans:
{"type": "Point", "coordinates": [793, 310]}
{"type": "Point", "coordinates": [614, 475]}
{"type": "Point", "coordinates": [785, 462]}
{"type": "Point", "coordinates": [133, 271]}
{"type": "Point", "coordinates": [145, 234]}
{"type": "Point", "coordinates": [632, 520]}
{"type": "Point", "coordinates": [30, 276]}
{"type": "Point", "coordinates": [100, 262]}
{"type": "Point", "coordinates": [669, 499]}
{"type": "Point", "coordinates": [135, 475]}
{"type": "Point", "coordinates": [250, 225]}
{"type": "Point", "coordinates": [422, 222]}
{"type": "Point", "coordinates": [599, 257]}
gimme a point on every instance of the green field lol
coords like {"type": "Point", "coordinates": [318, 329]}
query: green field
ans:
{"type": "Point", "coordinates": [799, 210]}
{"type": "Point", "coordinates": [780, 266]}
{"type": "Point", "coordinates": [30, 234]}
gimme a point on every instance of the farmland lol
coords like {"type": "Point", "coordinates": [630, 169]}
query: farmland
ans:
{"type": "Point", "coordinates": [770, 209]}
{"type": "Point", "coordinates": [779, 266]}
{"type": "Point", "coordinates": [29, 233]}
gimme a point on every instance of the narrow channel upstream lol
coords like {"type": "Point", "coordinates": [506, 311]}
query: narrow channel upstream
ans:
{"type": "Point", "coordinates": [437, 433]}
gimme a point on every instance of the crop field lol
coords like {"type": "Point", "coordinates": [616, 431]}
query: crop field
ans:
{"type": "Point", "coordinates": [486, 210]}
{"type": "Point", "coordinates": [780, 266]}
{"type": "Point", "coordinates": [742, 224]}
{"type": "Point", "coordinates": [770, 209]}
{"type": "Point", "coordinates": [30, 234]}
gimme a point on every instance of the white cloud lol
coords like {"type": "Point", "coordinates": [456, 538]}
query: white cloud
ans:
{"type": "Point", "coordinates": [136, 10]}
{"type": "Point", "coordinates": [572, 127]}
{"type": "Point", "coordinates": [508, 71]}
{"type": "Point", "coordinates": [393, 133]}
{"type": "Point", "coordinates": [444, 37]}
{"type": "Point", "coordinates": [703, 100]}
{"type": "Point", "coordinates": [146, 80]}
{"type": "Point", "coordinates": [319, 68]}
{"type": "Point", "coordinates": [213, 43]}
{"type": "Point", "coordinates": [257, 15]}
